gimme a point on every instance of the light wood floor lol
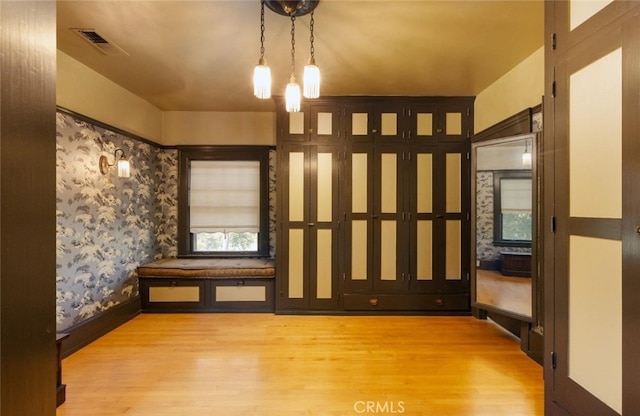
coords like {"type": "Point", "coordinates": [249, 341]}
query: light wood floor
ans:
{"type": "Point", "coordinates": [263, 364]}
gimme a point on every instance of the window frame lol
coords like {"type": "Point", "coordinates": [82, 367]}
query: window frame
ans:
{"type": "Point", "coordinates": [186, 154]}
{"type": "Point", "coordinates": [498, 175]}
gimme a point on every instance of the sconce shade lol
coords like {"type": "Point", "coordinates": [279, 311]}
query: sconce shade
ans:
{"type": "Point", "coordinates": [123, 164]}
{"type": "Point", "coordinates": [123, 168]}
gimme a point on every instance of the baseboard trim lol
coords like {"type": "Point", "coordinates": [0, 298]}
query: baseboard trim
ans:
{"type": "Point", "coordinates": [90, 330]}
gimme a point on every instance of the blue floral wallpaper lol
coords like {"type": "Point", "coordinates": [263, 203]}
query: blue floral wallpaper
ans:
{"type": "Point", "coordinates": [107, 226]}
{"type": "Point", "coordinates": [485, 250]}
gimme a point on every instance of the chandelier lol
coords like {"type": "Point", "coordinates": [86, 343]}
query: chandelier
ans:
{"type": "Point", "coordinates": [311, 77]}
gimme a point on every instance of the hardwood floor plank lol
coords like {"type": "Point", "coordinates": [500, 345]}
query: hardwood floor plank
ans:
{"type": "Point", "coordinates": [262, 364]}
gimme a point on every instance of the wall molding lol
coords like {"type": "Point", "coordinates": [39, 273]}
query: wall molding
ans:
{"type": "Point", "coordinates": [93, 328]}
{"type": "Point", "coordinates": [111, 128]}
{"type": "Point", "coordinates": [519, 123]}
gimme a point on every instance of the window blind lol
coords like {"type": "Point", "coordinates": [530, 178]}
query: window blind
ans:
{"type": "Point", "coordinates": [515, 195]}
{"type": "Point", "coordinates": [224, 196]}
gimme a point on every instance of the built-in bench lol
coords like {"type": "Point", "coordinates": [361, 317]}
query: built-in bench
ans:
{"type": "Point", "coordinates": [207, 285]}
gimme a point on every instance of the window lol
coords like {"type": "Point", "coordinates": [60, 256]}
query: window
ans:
{"type": "Point", "coordinates": [512, 204]}
{"type": "Point", "coordinates": [223, 201]}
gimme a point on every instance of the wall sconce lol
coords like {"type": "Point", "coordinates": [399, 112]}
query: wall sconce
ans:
{"type": "Point", "coordinates": [123, 164]}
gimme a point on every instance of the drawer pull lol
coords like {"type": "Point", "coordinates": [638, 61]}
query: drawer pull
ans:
{"type": "Point", "coordinates": [173, 283]}
{"type": "Point", "coordinates": [439, 302]}
{"type": "Point", "coordinates": [373, 302]}
{"type": "Point", "coordinates": [240, 283]}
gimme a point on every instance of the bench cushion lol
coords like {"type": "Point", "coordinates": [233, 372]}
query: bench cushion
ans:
{"type": "Point", "coordinates": [209, 268]}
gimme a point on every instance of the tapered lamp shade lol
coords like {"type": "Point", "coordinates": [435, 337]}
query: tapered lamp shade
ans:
{"type": "Point", "coordinates": [311, 80]}
{"type": "Point", "coordinates": [292, 96]}
{"type": "Point", "coordinates": [123, 168]}
{"type": "Point", "coordinates": [262, 80]}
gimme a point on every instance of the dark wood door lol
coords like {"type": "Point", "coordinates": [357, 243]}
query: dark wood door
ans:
{"type": "Point", "coordinates": [593, 202]}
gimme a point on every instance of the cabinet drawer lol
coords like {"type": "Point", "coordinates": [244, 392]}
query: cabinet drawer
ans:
{"type": "Point", "coordinates": [406, 302]}
{"type": "Point", "coordinates": [246, 295]}
{"type": "Point", "coordinates": [172, 294]}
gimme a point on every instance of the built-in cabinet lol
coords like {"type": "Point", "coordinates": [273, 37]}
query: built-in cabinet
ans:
{"type": "Point", "coordinates": [373, 205]}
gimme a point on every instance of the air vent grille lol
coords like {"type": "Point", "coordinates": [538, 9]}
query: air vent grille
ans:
{"type": "Point", "coordinates": [92, 36]}
{"type": "Point", "coordinates": [99, 42]}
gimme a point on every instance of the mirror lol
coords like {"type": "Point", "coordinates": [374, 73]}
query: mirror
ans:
{"type": "Point", "coordinates": [503, 229]}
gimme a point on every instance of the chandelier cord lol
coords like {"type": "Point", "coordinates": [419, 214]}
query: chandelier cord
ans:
{"type": "Point", "coordinates": [311, 37]}
{"type": "Point", "coordinates": [293, 46]}
{"type": "Point", "coordinates": [261, 29]}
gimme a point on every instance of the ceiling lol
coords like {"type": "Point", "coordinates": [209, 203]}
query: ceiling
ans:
{"type": "Point", "coordinates": [199, 55]}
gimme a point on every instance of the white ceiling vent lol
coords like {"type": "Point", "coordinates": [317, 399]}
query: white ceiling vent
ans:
{"type": "Point", "coordinates": [99, 42]}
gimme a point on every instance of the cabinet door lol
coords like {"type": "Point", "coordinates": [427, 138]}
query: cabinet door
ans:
{"type": "Point", "coordinates": [324, 124]}
{"type": "Point", "coordinates": [294, 127]}
{"type": "Point", "coordinates": [357, 205]}
{"type": "Point", "coordinates": [452, 222]}
{"type": "Point", "coordinates": [422, 124]}
{"type": "Point", "coordinates": [453, 123]}
{"type": "Point", "coordinates": [390, 123]}
{"type": "Point", "coordinates": [308, 232]}
{"type": "Point", "coordinates": [358, 122]}
{"type": "Point", "coordinates": [390, 227]}
{"type": "Point", "coordinates": [423, 191]}
{"type": "Point", "coordinates": [323, 227]}
{"type": "Point", "coordinates": [293, 232]}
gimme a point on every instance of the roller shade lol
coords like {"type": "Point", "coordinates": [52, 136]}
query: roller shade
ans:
{"type": "Point", "coordinates": [515, 195]}
{"type": "Point", "coordinates": [224, 196]}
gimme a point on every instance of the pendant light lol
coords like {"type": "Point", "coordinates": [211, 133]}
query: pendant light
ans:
{"type": "Point", "coordinates": [292, 92]}
{"type": "Point", "coordinates": [262, 73]}
{"type": "Point", "coordinates": [311, 76]}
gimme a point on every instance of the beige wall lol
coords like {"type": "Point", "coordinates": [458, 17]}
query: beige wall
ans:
{"type": "Point", "coordinates": [84, 91]}
{"type": "Point", "coordinates": [231, 128]}
{"type": "Point", "coordinates": [520, 88]}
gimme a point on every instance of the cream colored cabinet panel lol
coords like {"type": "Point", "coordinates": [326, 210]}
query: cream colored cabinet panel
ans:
{"type": "Point", "coordinates": [295, 255]}
{"type": "Point", "coordinates": [424, 250]}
